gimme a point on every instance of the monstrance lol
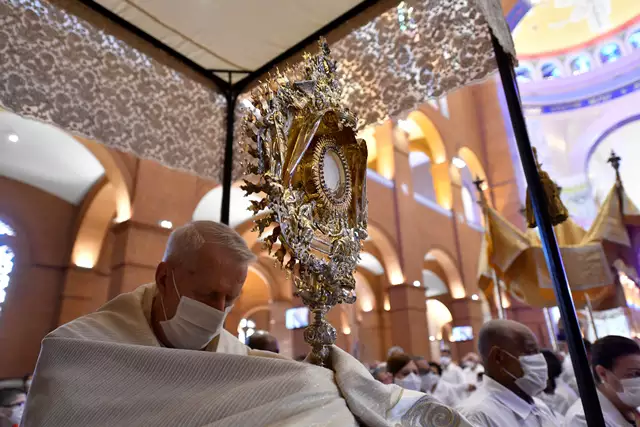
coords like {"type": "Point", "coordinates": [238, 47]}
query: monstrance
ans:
{"type": "Point", "coordinates": [310, 170]}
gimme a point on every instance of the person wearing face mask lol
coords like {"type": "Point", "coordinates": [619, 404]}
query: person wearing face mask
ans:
{"type": "Point", "coordinates": [451, 372]}
{"type": "Point", "coordinates": [472, 367]}
{"type": "Point", "coordinates": [515, 372]}
{"type": "Point", "coordinates": [11, 406]}
{"type": "Point", "coordinates": [404, 371]}
{"type": "Point", "coordinates": [159, 356]}
{"type": "Point", "coordinates": [615, 361]}
{"type": "Point", "coordinates": [430, 373]}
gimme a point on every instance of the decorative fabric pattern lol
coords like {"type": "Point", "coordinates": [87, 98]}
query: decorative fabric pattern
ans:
{"type": "Point", "coordinates": [428, 411]}
{"type": "Point", "coordinates": [60, 69]}
{"type": "Point", "coordinates": [387, 72]}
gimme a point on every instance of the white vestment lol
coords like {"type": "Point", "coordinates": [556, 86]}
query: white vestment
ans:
{"type": "Point", "coordinates": [108, 369]}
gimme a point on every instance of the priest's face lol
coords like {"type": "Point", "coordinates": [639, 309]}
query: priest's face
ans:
{"type": "Point", "coordinates": [211, 277]}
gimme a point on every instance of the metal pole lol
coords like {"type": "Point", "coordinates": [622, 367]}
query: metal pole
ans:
{"type": "Point", "coordinates": [586, 385]}
{"type": "Point", "coordinates": [498, 290]}
{"type": "Point", "coordinates": [227, 172]}
{"type": "Point", "coordinates": [590, 310]}
{"type": "Point", "coordinates": [550, 329]}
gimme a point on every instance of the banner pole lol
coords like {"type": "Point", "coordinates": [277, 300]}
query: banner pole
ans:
{"type": "Point", "coordinates": [551, 250]}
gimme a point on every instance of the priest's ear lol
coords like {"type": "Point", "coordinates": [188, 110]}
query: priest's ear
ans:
{"type": "Point", "coordinates": [162, 276]}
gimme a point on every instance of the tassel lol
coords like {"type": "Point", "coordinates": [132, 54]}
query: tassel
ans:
{"type": "Point", "coordinates": [557, 210]}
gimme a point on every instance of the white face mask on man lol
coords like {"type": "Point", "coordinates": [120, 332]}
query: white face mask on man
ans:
{"type": "Point", "coordinates": [535, 375]}
{"type": "Point", "coordinates": [410, 382]}
{"type": "Point", "coordinates": [194, 325]}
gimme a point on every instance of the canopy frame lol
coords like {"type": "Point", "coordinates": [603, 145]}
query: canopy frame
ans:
{"type": "Point", "coordinates": [550, 246]}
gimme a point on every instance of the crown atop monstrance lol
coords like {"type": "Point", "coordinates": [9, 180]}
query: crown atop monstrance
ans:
{"type": "Point", "coordinates": [310, 172]}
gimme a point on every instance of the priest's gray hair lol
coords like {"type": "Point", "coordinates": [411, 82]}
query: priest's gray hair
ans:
{"type": "Point", "coordinates": [186, 240]}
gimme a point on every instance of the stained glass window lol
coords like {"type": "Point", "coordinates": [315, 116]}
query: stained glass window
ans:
{"type": "Point", "coordinates": [5, 230]}
{"type": "Point", "coordinates": [550, 71]}
{"type": "Point", "coordinates": [610, 52]}
{"type": "Point", "coordinates": [246, 328]}
{"type": "Point", "coordinates": [634, 39]}
{"type": "Point", "coordinates": [523, 74]}
{"type": "Point", "coordinates": [6, 267]}
{"type": "Point", "coordinates": [580, 64]}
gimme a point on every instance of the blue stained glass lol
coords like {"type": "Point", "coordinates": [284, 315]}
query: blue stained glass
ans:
{"type": "Point", "coordinates": [523, 74]}
{"type": "Point", "coordinates": [580, 64]}
{"type": "Point", "coordinates": [634, 39]}
{"type": "Point", "coordinates": [610, 52]}
{"type": "Point", "coordinates": [550, 71]}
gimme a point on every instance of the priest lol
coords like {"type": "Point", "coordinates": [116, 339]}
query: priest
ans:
{"type": "Point", "coordinates": [159, 356]}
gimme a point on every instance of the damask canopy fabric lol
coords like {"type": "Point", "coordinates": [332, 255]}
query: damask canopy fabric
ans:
{"type": "Point", "coordinates": [61, 69]}
{"type": "Point", "coordinates": [387, 71]}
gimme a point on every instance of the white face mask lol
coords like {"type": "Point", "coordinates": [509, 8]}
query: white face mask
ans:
{"type": "Point", "coordinates": [535, 375]}
{"type": "Point", "coordinates": [630, 395]}
{"type": "Point", "coordinates": [445, 360]}
{"type": "Point", "coordinates": [194, 325]}
{"type": "Point", "coordinates": [428, 381]}
{"type": "Point", "coordinates": [410, 382]}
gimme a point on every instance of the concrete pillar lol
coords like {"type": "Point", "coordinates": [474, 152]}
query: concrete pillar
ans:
{"type": "Point", "coordinates": [138, 248]}
{"type": "Point", "coordinates": [409, 319]}
{"type": "Point", "coordinates": [466, 312]}
{"type": "Point", "coordinates": [85, 290]}
{"type": "Point", "coordinates": [278, 327]}
{"type": "Point", "coordinates": [371, 337]}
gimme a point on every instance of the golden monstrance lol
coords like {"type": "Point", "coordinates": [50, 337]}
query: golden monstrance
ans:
{"type": "Point", "coordinates": [310, 170]}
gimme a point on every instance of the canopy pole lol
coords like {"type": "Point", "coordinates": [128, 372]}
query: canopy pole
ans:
{"type": "Point", "coordinates": [586, 385]}
{"type": "Point", "coordinates": [550, 329]}
{"type": "Point", "coordinates": [227, 172]}
{"type": "Point", "coordinates": [498, 291]}
{"type": "Point", "coordinates": [592, 320]}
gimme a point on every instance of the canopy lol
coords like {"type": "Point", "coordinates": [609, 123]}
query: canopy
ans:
{"type": "Point", "coordinates": [588, 256]}
{"type": "Point", "coordinates": [65, 66]}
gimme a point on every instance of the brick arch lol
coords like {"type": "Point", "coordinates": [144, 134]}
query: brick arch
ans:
{"type": "Point", "coordinates": [107, 200]}
{"type": "Point", "coordinates": [388, 252]}
{"type": "Point", "coordinates": [448, 265]}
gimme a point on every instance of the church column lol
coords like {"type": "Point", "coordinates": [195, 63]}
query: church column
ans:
{"type": "Point", "coordinates": [466, 312]}
{"type": "Point", "coordinates": [138, 248]}
{"type": "Point", "coordinates": [85, 290]}
{"type": "Point", "coordinates": [409, 319]}
{"type": "Point", "coordinates": [278, 327]}
{"type": "Point", "coordinates": [371, 336]}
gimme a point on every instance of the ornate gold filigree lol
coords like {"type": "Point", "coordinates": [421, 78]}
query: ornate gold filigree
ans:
{"type": "Point", "coordinates": [297, 124]}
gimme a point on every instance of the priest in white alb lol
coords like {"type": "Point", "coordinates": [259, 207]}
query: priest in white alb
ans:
{"type": "Point", "coordinates": [159, 356]}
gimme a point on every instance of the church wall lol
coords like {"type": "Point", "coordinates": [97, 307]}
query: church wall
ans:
{"type": "Point", "coordinates": [132, 249]}
{"type": "Point", "coordinates": [42, 252]}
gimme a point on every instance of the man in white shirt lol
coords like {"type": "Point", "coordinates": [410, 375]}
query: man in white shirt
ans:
{"type": "Point", "coordinates": [472, 368]}
{"type": "Point", "coordinates": [451, 372]}
{"type": "Point", "coordinates": [616, 367]}
{"type": "Point", "coordinates": [515, 370]}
